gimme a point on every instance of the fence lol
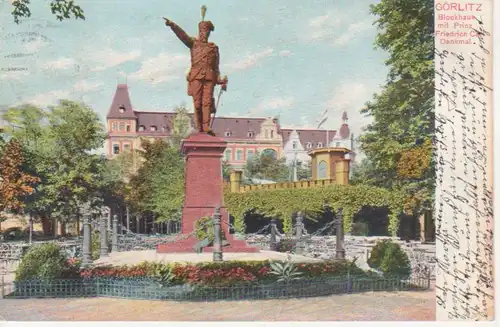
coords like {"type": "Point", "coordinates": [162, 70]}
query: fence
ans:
{"type": "Point", "coordinates": [150, 289]}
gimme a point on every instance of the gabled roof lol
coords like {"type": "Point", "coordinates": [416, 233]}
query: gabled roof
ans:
{"type": "Point", "coordinates": [121, 107]}
{"type": "Point", "coordinates": [314, 136]}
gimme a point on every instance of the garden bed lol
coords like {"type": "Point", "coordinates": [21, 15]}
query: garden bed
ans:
{"type": "Point", "coordinates": [151, 289]}
{"type": "Point", "coordinates": [46, 272]}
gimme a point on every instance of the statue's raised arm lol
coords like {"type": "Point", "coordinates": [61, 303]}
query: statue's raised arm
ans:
{"type": "Point", "coordinates": [181, 34]}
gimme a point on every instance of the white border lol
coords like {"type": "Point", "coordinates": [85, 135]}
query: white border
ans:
{"type": "Point", "coordinates": [496, 162]}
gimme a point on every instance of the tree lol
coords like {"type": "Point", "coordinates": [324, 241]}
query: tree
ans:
{"type": "Point", "coordinates": [226, 170]}
{"type": "Point", "coordinates": [57, 144]}
{"type": "Point", "coordinates": [266, 166]}
{"type": "Point", "coordinates": [304, 170]}
{"type": "Point", "coordinates": [181, 126]}
{"type": "Point", "coordinates": [62, 9]}
{"type": "Point", "coordinates": [158, 185]}
{"type": "Point", "coordinates": [403, 111]}
{"type": "Point", "coordinates": [15, 184]}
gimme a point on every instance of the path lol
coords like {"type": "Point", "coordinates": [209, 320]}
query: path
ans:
{"type": "Point", "coordinates": [379, 306]}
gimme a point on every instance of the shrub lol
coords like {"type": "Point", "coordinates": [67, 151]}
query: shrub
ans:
{"type": "Point", "coordinates": [14, 234]}
{"type": "Point", "coordinates": [205, 229]}
{"type": "Point", "coordinates": [286, 245]}
{"type": "Point", "coordinates": [390, 259]}
{"type": "Point", "coordinates": [44, 261]}
{"type": "Point", "coordinates": [96, 245]}
{"type": "Point", "coordinates": [377, 253]}
{"type": "Point", "coordinates": [220, 273]}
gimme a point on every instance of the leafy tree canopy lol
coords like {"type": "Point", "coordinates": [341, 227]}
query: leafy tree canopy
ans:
{"type": "Point", "coordinates": [62, 9]}
{"type": "Point", "coordinates": [57, 145]}
{"type": "Point", "coordinates": [267, 166]}
{"type": "Point", "coordinates": [403, 111]}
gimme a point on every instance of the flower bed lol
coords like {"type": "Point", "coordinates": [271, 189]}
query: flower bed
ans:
{"type": "Point", "coordinates": [229, 280]}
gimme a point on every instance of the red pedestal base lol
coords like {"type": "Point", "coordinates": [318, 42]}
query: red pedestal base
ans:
{"type": "Point", "coordinates": [203, 192]}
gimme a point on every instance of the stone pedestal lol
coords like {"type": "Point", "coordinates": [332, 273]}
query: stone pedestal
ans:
{"type": "Point", "coordinates": [203, 192]}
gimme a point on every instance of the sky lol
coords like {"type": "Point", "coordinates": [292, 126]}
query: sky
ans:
{"type": "Point", "coordinates": [287, 58]}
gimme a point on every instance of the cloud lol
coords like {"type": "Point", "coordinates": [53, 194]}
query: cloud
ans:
{"type": "Point", "coordinates": [324, 26]}
{"type": "Point", "coordinates": [304, 123]}
{"type": "Point", "coordinates": [48, 98]}
{"type": "Point", "coordinates": [108, 58]}
{"type": "Point", "coordinates": [162, 68]}
{"type": "Point", "coordinates": [353, 30]}
{"type": "Point", "coordinates": [85, 86]}
{"type": "Point", "coordinates": [351, 97]}
{"type": "Point", "coordinates": [285, 53]}
{"type": "Point", "coordinates": [336, 27]}
{"type": "Point", "coordinates": [60, 64]}
{"type": "Point", "coordinates": [272, 104]}
{"type": "Point", "coordinates": [250, 61]}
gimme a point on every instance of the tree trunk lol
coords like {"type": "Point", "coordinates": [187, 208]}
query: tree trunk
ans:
{"type": "Point", "coordinates": [46, 224]}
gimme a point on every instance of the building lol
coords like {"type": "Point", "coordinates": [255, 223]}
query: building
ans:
{"type": "Point", "coordinates": [245, 136]}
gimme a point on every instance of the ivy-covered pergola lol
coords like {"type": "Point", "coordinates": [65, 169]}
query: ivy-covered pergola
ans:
{"type": "Point", "coordinates": [282, 203]}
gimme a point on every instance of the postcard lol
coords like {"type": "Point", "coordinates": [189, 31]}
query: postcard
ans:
{"type": "Point", "coordinates": [246, 161]}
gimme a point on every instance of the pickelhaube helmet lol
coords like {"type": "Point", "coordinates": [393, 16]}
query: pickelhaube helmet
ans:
{"type": "Point", "coordinates": [205, 24]}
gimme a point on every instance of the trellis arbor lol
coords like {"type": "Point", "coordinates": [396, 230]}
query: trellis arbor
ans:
{"type": "Point", "coordinates": [283, 203]}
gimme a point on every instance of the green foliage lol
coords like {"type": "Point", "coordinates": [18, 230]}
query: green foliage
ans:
{"type": "Point", "coordinates": [389, 258]}
{"type": "Point", "coordinates": [227, 272]}
{"type": "Point", "coordinates": [403, 111]}
{"type": "Point", "coordinates": [164, 275]}
{"type": "Point", "coordinates": [205, 229]}
{"type": "Point", "coordinates": [180, 126]}
{"type": "Point", "coordinates": [44, 261]}
{"type": "Point", "coordinates": [304, 170]}
{"type": "Point", "coordinates": [158, 186]}
{"type": "Point", "coordinates": [285, 272]}
{"type": "Point", "coordinates": [286, 244]}
{"type": "Point", "coordinates": [57, 145]}
{"type": "Point", "coordinates": [62, 9]}
{"type": "Point", "coordinates": [282, 203]}
{"type": "Point", "coordinates": [96, 244]}
{"type": "Point", "coordinates": [266, 166]}
{"type": "Point", "coordinates": [226, 170]}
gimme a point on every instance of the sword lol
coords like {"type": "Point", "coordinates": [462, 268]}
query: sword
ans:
{"type": "Point", "coordinates": [222, 89]}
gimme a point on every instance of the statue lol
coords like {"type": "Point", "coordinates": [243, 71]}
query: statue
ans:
{"type": "Point", "coordinates": [204, 73]}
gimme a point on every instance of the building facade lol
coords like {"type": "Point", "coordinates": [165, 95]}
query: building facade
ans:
{"type": "Point", "coordinates": [245, 136]}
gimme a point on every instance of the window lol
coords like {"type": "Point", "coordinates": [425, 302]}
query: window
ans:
{"type": "Point", "coordinates": [322, 169]}
{"type": "Point", "coordinates": [239, 154]}
{"type": "Point", "coordinates": [121, 127]}
{"type": "Point", "coordinates": [227, 155]}
{"type": "Point", "coordinates": [128, 128]}
{"type": "Point", "coordinates": [152, 128]}
{"type": "Point", "coordinates": [250, 134]}
{"type": "Point", "coordinates": [141, 128]}
{"type": "Point", "coordinates": [227, 133]}
{"type": "Point", "coordinates": [114, 126]}
{"type": "Point", "coordinates": [272, 133]}
{"type": "Point", "coordinates": [121, 108]}
{"type": "Point", "coordinates": [249, 154]}
{"type": "Point", "coordinates": [163, 129]}
{"type": "Point", "coordinates": [309, 145]}
{"type": "Point", "coordinates": [267, 134]}
{"type": "Point", "coordinates": [126, 147]}
{"type": "Point", "coordinates": [116, 148]}
{"type": "Point", "coordinates": [320, 145]}
{"type": "Point", "coordinates": [294, 145]}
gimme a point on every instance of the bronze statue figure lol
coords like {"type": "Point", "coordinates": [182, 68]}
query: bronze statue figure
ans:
{"type": "Point", "coordinates": [204, 73]}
